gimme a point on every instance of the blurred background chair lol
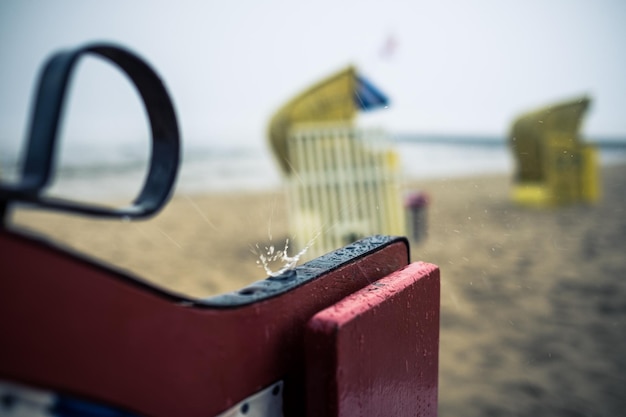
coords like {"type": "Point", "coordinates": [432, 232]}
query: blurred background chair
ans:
{"type": "Point", "coordinates": [554, 165]}
{"type": "Point", "coordinates": [343, 181]}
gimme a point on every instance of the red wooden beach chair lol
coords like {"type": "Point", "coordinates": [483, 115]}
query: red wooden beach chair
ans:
{"type": "Point", "coordinates": [354, 332]}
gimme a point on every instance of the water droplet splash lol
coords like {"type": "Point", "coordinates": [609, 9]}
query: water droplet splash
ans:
{"type": "Point", "coordinates": [270, 258]}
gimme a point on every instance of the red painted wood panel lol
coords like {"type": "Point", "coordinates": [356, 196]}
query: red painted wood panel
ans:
{"type": "Point", "coordinates": [73, 326]}
{"type": "Point", "coordinates": [375, 353]}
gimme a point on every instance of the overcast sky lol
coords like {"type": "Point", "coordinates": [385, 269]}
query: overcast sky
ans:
{"type": "Point", "coordinates": [448, 66]}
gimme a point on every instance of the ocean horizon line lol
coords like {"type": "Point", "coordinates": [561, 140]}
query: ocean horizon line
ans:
{"type": "Point", "coordinates": [605, 142]}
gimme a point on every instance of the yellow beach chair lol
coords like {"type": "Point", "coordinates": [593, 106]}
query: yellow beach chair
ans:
{"type": "Point", "coordinates": [343, 181]}
{"type": "Point", "coordinates": [554, 166]}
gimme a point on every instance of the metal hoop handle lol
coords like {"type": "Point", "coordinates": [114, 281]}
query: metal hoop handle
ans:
{"type": "Point", "coordinates": [40, 153]}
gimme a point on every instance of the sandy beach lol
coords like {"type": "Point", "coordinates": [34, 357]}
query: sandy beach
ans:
{"type": "Point", "coordinates": [533, 314]}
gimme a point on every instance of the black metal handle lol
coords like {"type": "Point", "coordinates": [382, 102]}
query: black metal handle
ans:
{"type": "Point", "coordinates": [38, 164]}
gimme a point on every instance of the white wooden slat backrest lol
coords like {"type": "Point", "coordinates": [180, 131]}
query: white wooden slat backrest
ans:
{"type": "Point", "coordinates": [345, 185]}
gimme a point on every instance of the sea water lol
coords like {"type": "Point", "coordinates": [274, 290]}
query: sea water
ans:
{"type": "Point", "coordinates": [96, 172]}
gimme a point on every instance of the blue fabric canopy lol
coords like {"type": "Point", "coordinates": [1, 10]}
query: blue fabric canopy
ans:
{"type": "Point", "coordinates": [368, 97]}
